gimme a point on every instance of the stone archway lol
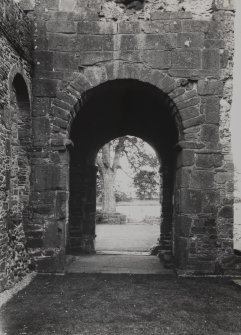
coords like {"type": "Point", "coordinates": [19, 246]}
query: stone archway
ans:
{"type": "Point", "coordinates": [184, 105]}
{"type": "Point", "coordinates": [198, 211]}
{"type": "Point", "coordinates": [123, 107]}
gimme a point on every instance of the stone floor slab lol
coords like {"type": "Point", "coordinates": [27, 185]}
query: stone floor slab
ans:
{"type": "Point", "coordinates": [126, 264]}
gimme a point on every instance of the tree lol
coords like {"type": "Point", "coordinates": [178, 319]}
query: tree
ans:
{"type": "Point", "coordinates": [108, 169]}
{"type": "Point", "coordinates": [108, 161]}
{"type": "Point", "coordinates": [146, 184]}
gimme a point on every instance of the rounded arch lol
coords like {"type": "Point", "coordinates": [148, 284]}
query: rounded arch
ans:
{"type": "Point", "coordinates": [182, 94]}
{"type": "Point", "coordinates": [20, 142]}
{"type": "Point", "coordinates": [113, 109]}
{"type": "Point", "coordinates": [18, 71]}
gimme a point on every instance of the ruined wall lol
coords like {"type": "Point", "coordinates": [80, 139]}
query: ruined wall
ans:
{"type": "Point", "coordinates": [15, 59]}
{"type": "Point", "coordinates": [179, 46]}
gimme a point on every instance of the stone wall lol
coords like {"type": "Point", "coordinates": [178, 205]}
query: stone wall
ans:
{"type": "Point", "coordinates": [184, 49]}
{"type": "Point", "coordinates": [15, 100]}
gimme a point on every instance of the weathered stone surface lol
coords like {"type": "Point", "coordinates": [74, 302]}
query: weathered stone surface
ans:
{"type": "Point", "coordinates": [157, 59]}
{"type": "Point", "coordinates": [210, 133]}
{"type": "Point", "coordinates": [210, 87]}
{"type": "Point", "coordinates": [96, 28]}
{"type": "Point", "coordinates": [211, 59]}
{"type": "Point", "coordinates": [45, 88]}
{"type": "Point", "coordinates": [207, 161]}
{"type": "Point", "coordinates": [186, 59]}
{"type": "Point", "coordinates": [186, 158]}
{"type": "Point", "coordinates": [190, 40]}
{"type": "Point", "coordinates": [202, 179]}
{"type": "Point", "coordinates": [65, 27]}
{"type": "Point", "coordinates": [41, 130]}
{"type": "Point", "coordinates": [183, 226]}
{"type": "Point", "coordinates": [155, 27]}
{"type": "Point", "coordinates": [49, 177]}
{"type": "Point", "coordinates": [190, 112]}
{"type": "Point", "coordinates": [128, 27]}
{"type": "Point", "coordinates": [211, 109]}
{"type": "Point", "coordinates": [78, 45]}
{"type": "Point", "coordinates": [191, 201]}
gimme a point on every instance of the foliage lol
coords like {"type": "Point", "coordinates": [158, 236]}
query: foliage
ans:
{"type": "Point", "coordinates": [144, 166]}
{"type": "Point", "coordinates": [146, 184]}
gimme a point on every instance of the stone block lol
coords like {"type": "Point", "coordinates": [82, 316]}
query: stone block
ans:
{"type": "Point", "coordinates": [129, 42]}
{"type": "Point", "coordinates": [186, 158]}
{"type": "Point", "coordinates": [157, 59]}
{"type": "Point", "coordinates": [211, 109]}
{"type": "Point", "coordinates": [195, 26]}
{"type": "Point", "coordinates": [186, 59]}
{"type": "Point", "coordinates": [158, 27]}
{"type": "Point", "coordinates": [49, 177]}
{"type": "Point", "coordinates": [60, 113]}
{"type": "Point", "coordinates": [129, 27]}
{"type": "Point", "coordinates": [189, 112]}
{"type": "Point", "coordinates": [183, 177]}
{"type": "Point", "coordinates": [186, 96]}
{"type": "Point", "coordinates": [225, 5]}
{"type": "Point", "coordinates": [210, 201]}
{"type": "Point", "coordinates": [196, 121]}
{"type": "Point", "coordinates": [190, 201]}
{"type": "Point", "coordinates": [224, 58]}
{"type": "Point", "coordinates": [64, 27]}
{"type": "Point", "coordinates": [190, 40]}
{"type": "Point", "coordinates": [192, 74]}
{"type": "Point", "coordinates": [46, 5]}
{"type": "Point", "coordinates": [181, 252]}
{"type": "Point", "coordinates": [43, 203]}
{"type": "Point", "coordinates": [58, 122]}
{"type": "Point", "coordinates": [169, 15]}
{"type": "Point", "coordinates": [206, 161]}
{"type": "Point", "coordinates": [64, 61]}
{"type": "Point", "coordinates": [67, 5]}
{"type": "Point", "coordinates": [210, 87]}
{"type": "Point", "coordinates": [34, 243]}
{"type": "Point", "coordinates": [211, 59]}
{"type": "Point", "coordinates": [93, 57]}
{"type": "Point", "coordinates": [183, 225]}
{"type": "Point", "coordinates": [61, 205]}
{"type": "Point", "coordinates": [210, 133]}
{"type": "Point", "coordinates": [160, 41]}
{"type": "Point", "coordinates": [130, 56]}
{"type": "Point", "coordinates": [90, 42]}
{"type": "Point", "coordinates": [226, 212]}
{"type": "Point", "coordinates": [45, 87]}
{"type": "Point", "coordinates": [65, 42]}
{"type": "Point", "coordinates": [214, 44]}
{"type": "Point", "coordinates": [223, 177]}
{"type": "Point", "coordinates": [41, 106]}
{"type": "Point", "coordinates": [44, 60]}
{"type": "Point", "coordinates": [201, 179]}
{"type": "Point", "coordinates": [97, 28]}
{"type": "Point", "coordinates": [52, 237]}
{"type": "Point", "coordinates": [41, 130]}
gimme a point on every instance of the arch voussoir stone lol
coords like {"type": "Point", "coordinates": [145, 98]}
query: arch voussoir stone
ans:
{"type": "Point", "coordinates": [70, 94]}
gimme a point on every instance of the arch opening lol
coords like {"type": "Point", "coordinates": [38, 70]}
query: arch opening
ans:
{"type": "Point", "coordinates": [111, 110]}
{"type": "Point", "coordinates": [19, 153]}
{"type": "Point", "coordinates": [128, 197]}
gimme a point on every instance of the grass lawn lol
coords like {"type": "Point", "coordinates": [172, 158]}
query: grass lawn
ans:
{"type": "Point", "coordinates": [123, 305]}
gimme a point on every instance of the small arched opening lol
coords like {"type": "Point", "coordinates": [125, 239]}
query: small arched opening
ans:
{"type": "Point", "coordinates": [20, 145]}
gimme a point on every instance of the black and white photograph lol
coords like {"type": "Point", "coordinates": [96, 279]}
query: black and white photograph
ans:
{"type": "Point", "coordinates": [120, 167]}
